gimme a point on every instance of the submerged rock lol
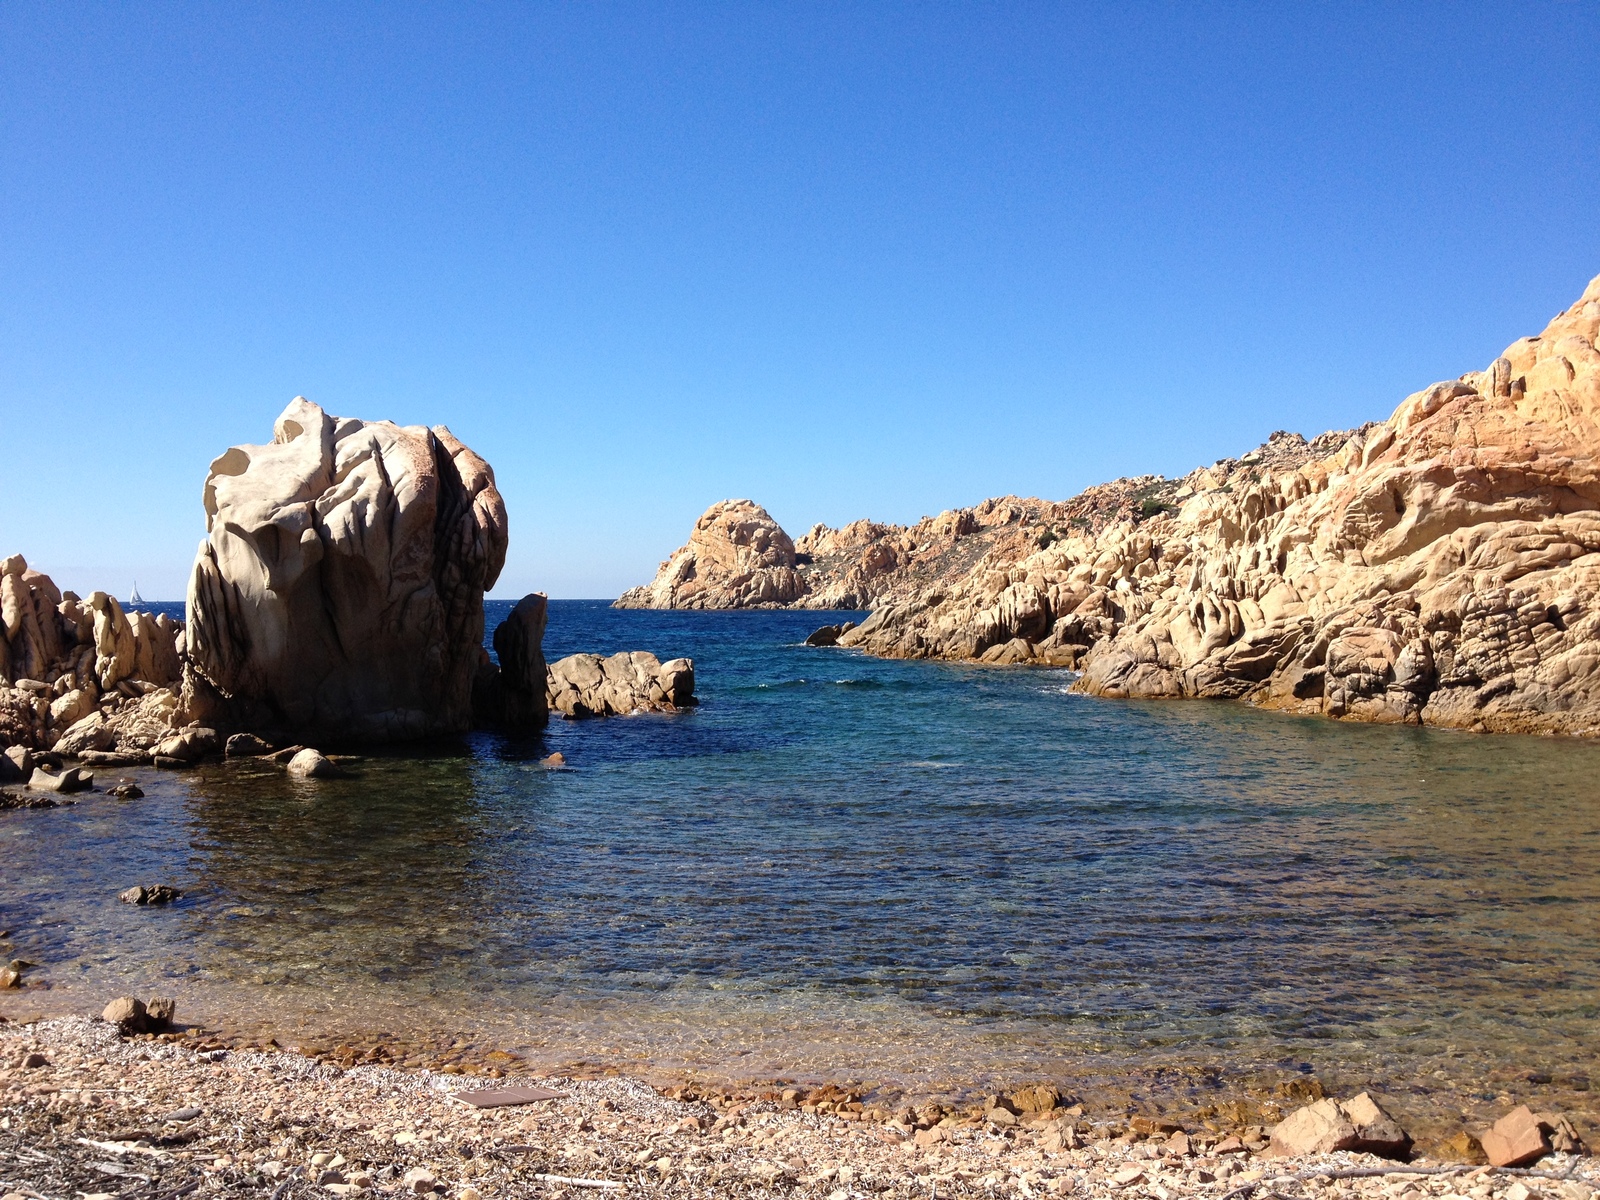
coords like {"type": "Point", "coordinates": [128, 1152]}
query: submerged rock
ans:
{"type": "Point", "coordinates": [339, 591]}
{"type": "Point", "coordinates": [310, 764]}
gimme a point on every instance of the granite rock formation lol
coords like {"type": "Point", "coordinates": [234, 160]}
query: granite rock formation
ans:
{"type": "Point", "coordinates": [587, 685]}
{"type": "Point", "coordinates": [67, 663]}
{"type": "Point", "coordinates": [512, 694]}
{"type": "Point", "coordinates": [736, 557]}
{"type": "Point", "coordinates": [1441, 567]}
{"type": "Point", "coordinates": [338, 594]}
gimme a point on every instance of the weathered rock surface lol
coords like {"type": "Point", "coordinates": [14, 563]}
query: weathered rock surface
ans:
{"type": "Point", "coordinates": [1441, 567]}
{"type": "Point", "coordinates": [339, 591]}
{"type": "Point", "coordinates": [513, 693]}
{"type": "Point", "coordinates": [587, 685]}
{"type": "Point", "coordinates": [736, 557]}
{"type": "Point", "coordinates": [311, 764]}
{"type": "Point", "coordinates": [64, 660]}
{"type": "Point", "coordinates": [1359, 1124]}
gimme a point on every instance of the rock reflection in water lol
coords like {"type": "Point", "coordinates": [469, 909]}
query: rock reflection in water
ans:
{"type": "Point", "coordinates": [379, 877]}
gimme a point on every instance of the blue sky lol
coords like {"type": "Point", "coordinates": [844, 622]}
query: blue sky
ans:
{"type": "Point", "coordinates": [848, 260]}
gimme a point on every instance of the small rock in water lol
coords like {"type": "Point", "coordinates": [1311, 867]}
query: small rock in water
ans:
{"type": "Point", "coordinates": [310, 764]}
{"type": "Point", "coordinates": [828, 635]}
{"type": "Point", "coordinates": [158, 894]}
{"type": "Point", "coordinates": [1465, 1148]}
{"type": "Point", "coordinates": [73, 779]}
{"type": "Point", "coordinates": [12, 800]}
{"type": "Point", "coordinates": [557, 759]}
{"type": "Point", "coordinates": [11, 976]}
{"type": "Point", "coordinates": [246, 745]}
{"type": "Point", "coordinates": [126, 789]}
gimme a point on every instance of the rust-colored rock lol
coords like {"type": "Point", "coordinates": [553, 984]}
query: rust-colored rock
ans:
{"type": "Point", "coordinates": [1358, 1124]}
{"type": "Point", "coordinates": [1516, 1139]}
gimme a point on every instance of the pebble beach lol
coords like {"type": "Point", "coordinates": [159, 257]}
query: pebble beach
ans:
{"type": "Point", "coordinates": [95, 1114]}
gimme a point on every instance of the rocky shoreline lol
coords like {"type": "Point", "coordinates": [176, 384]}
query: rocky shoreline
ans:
{"type": "Point", "coordinates": [97, 1112]}
{"type": "Point", "coordinates": [336, 601]}
{"type": "Point", "coordinates": [1438, 568]}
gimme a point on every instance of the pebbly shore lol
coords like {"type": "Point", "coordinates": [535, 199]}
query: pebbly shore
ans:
{"type": "Point", "coordinates": [93, 1113]}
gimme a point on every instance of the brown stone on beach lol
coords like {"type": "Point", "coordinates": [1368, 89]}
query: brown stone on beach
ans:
{"type": "Point", "coordinates": [1328, 1125]}
{"type": "Point", "coordinates": [126, 1013]}
{"type": "Point", "coordinates": [1040, 1098]}
{"type": "Point", "coordinates": [158, 1014]}
{"type": "Point", "coordinates": [1516, 1139]}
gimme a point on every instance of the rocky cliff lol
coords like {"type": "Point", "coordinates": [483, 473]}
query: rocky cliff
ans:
{"type": "Point", "coordinates": [339, 591]}
{"type": "Point", "coordinates": [1440, 567]}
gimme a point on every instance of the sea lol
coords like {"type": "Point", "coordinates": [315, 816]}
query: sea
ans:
{"type": "Point", "coordinates": [920, 876]}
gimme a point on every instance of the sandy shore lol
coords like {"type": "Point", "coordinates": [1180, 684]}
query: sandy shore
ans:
{"type": "Point", "coordinates": [99, 1115]}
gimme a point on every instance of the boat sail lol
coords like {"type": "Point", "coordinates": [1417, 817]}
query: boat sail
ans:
{"type": "Point", "coordinates": [133, 596]}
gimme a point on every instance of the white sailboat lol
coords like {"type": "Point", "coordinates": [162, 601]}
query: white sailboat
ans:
{"type": "Point", "coordinates": [133, 596]}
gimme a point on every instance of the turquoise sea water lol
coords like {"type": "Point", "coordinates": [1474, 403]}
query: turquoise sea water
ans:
{"type": "Point", "coordinates": [843, 866]}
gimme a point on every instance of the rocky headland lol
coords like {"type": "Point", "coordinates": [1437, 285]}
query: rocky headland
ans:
{"type": "Point", "coordinates": [1441, 567]}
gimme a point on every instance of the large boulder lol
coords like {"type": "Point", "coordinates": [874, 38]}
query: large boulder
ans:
{"type": "Point", "coordinates": [30, 627]}
{"type": "Point", "coordinates": [338, 594]}
{"type": "Point", "coordinates": [587, 685]}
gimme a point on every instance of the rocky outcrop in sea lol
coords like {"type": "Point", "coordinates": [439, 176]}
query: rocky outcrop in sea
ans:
{"type": "Point", "coordinates": [1441, 567]}
{"type": "Point", "coordinates": [337, 597]}
{"type": "Point", "coordinates": [339, 590]}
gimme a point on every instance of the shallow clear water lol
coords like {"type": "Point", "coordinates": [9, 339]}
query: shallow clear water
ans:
{"type": "Point", "coordinates": [851, 867]}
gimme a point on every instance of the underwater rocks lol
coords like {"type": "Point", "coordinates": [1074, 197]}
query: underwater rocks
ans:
{"type": "Point", "coordinates": [587, 685]}
{"type": "Point", "coordinates": [339, 591]}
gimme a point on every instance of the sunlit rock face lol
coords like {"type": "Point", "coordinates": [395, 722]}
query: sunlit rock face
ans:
{"type": "Point", "coordinates": [338, 594]}
{"type": "Point", "coordinates": [1441, 567]}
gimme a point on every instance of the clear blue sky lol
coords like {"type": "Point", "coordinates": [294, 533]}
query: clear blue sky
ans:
{"type": "Point", "coordinates": [848, 260]}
